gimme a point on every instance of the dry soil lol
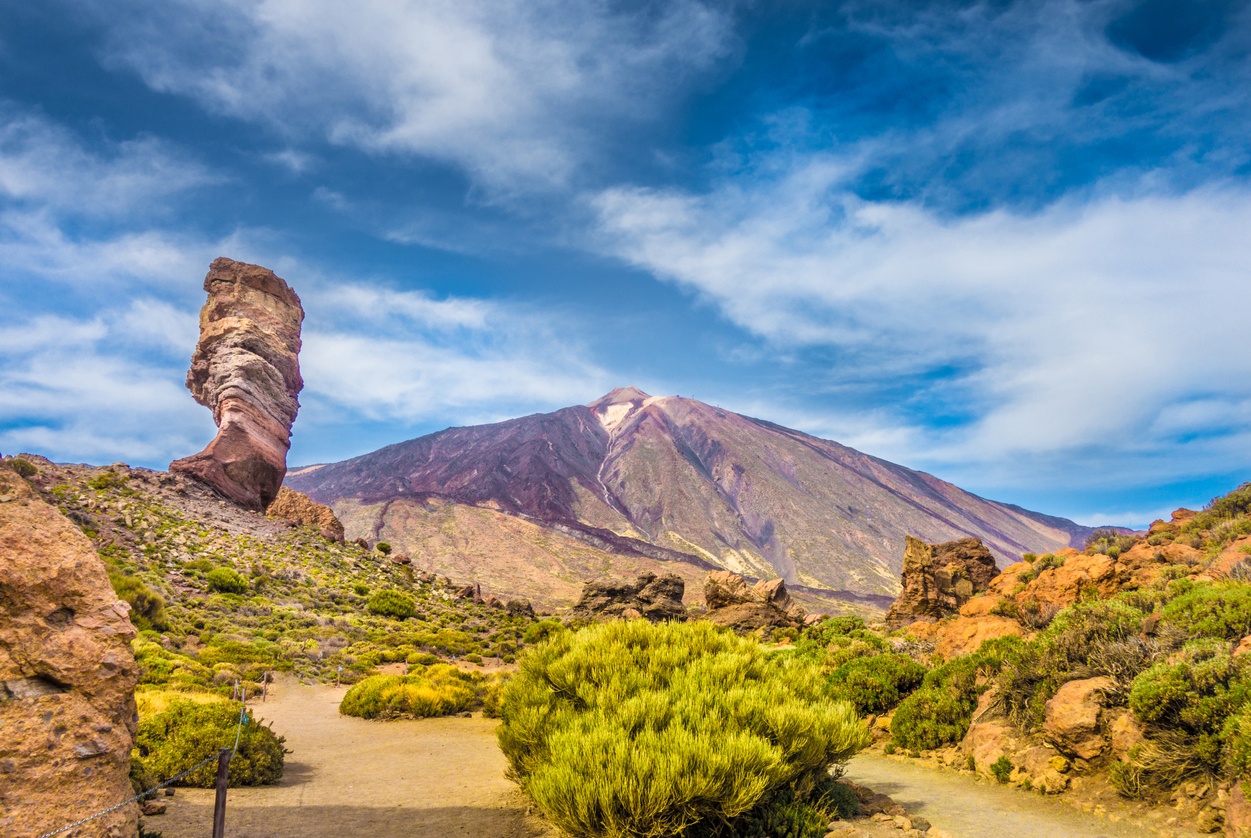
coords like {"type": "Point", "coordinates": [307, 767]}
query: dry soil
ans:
{"type": "Point", "coordinates": [348, 777]}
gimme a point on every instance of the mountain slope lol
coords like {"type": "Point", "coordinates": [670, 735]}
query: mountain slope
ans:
{"type": "Point", "coordinates": [677, 479]}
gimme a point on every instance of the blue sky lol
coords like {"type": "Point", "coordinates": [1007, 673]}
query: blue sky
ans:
{"type": "Point", "coordinates": [1004, 242]}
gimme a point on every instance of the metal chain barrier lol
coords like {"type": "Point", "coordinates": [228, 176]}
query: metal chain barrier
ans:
{"type": "Point", "coordinates": [243, 715]}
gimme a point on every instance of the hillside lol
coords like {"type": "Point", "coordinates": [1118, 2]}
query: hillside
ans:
{"type": "Point", "coordinates": [667, 479]}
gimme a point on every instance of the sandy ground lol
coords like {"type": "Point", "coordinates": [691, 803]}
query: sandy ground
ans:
{"type": "Point", "coordinates": [350, 777]}
{"type": "Point", "coordinates": [967, 808]}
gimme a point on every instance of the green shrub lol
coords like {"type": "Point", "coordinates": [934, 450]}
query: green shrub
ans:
{"type": "Point", "coordinates": [383, 547]}
{"type": "Point", "coordinates": [147, 607]}
{"type": "Point", "coordinates": [1001, 769]}
{"type": "Point", "coordinates": [1047, 561]}
{"type": "Point", "coordinates": [439, 690]}
{"type": "Point", "coordinates": [1220, 610]}
{"type": "Point", "coordinates": [540, 631]}
{"type": "Point", "coordinates": [940, 710]}
{"type": "Point", "coordinates": [1109, 542]}
{"type": "Point", "coordinates": [392, 603]}
{"type": "Point", "coordinates": [187, 732]}
{"type": "Point", "coordinates": [360, 589]}
{"type": "Point", "coordinates": [786, 815]}
{"type": "Point", "coordinates": [876, 684]}
{"type": "Point", "coordinates": [108, 480]}
{"type": "Point", "coordinates": [24, 468]}
{"type": "Point", "coordinates": [226, 580]}
{"type": "Point", "coordinates": [634, 729]}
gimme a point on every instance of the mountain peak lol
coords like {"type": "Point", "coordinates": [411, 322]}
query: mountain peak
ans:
{"type": "Point", "coordinates": [621, 395]}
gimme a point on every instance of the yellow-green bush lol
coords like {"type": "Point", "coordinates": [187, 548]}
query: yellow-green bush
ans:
{"type": "Point", "coordinates": [438, 690]}
{"type": "Point", "coordinates": [633, 729]}
{"type": "Point", "coordinates": [187, 732]}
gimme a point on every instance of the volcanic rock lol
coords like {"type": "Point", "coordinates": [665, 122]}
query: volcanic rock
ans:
{"type": "Point", "coordinates": [246, 370]}
{"type": "Point", "coordinates": [1072, 716]}
{"type": "Point", "coordinates": [939, 578]}
{"type": "Point", "coordinates": [299, 509]}
{"type": "Point", "coordinates": [732, 603]}
{"type": "Point", "coordinates": [653, 597]}
{"type": "Point", "coordinates": [67, 676]}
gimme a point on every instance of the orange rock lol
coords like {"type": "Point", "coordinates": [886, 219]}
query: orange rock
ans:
{"type": "Point", "coordinates": [1072, 717]}
{"type": "Point", "coordinates": [67, 676]}
{"type": "Point", "coordinates": [299, 508]}
{"type": "Point", "coordinates": [962, 635]}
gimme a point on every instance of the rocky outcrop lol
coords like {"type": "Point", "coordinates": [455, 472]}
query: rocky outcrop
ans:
{"type": "Point", "coordinates": [301, 510]}
{"type": "Point", "coordinates": [651, 597]}
{"type": "Point", "coordinates": [1073, 715]}
{"type": "Point", "coordinates": [67, 676]}
{"type": "Point", "coordinates": [939, 578]}
{"type": "Point", "coordinates": [734, 604]}
{"type": "Point", "coordinates": [246, 370]}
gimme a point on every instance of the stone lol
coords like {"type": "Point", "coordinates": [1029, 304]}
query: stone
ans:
{"type": "Point", "coordinates": [732, 603]}
{"type": "Point", "coordinates": [939, 578]}
{"type": "Point", "coordinates": [246, 370]}
{"type": "Point", "coordinates": [1072, 717]}
{"type": "Point", "coordinates": [153, 807]}
{"type": "Point", "coordinates": [300, 509]}
{"type": "Point", "coordinates": [1237, 813]}
{"type": "Point", "coordinates": [1124, 733]}
{"type": "Point", "coordinates": [961, 635]}
{"type": "Point", "coordinates": [655, 598]}
{"type": "Point", "coordinates": [68, 675]}
{"type": "Point", "coordinates": [520, 608]}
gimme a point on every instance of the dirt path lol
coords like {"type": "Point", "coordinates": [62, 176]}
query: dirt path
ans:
{"type": "Point", "coordinates": [966, 808]}
{"type": "Point", "coordinates": [349, 777]}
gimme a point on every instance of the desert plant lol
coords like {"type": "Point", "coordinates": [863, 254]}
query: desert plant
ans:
{"type": "Point", "coordinates": [540, 631]}
{"type": "Point", "coordinates": [438, 690]}
{"type": "Point", "coordinates": [1001, 769]}
{"type": "Point", "coordinates": [1111, 543]}
{"type": "Point", "coordinates": [392, 603]}
{"type": "Point", "coordinates": [108, 480]}
{"type": "Point", "coordinates": [1220, 610]}
{"type": "Point", "coordinates": [147, 607]}
{"type": "Point", "coordinates": [187, 732]}
{"type": "Point", "coordinates": [875, 684]}
{"type": "Point", "coordinates": [226, 580]}
{"type": "Point", "coordinates": [24, 468]}
{"type": "Point", "coordinates": [634, 729]}
{"type": "Point", "coordinates": [383, 547]}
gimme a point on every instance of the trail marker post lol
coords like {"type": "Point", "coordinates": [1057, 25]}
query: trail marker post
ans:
{"type": "Point", "coordinates": [219, 804]}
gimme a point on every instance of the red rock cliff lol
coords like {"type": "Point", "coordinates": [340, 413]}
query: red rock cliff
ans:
{"type": "Point", "coordinates": [246, 369]}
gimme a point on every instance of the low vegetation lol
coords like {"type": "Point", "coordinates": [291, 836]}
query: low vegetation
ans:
{"type": "Point", "coordinates": [437, 690]}
{"type": "Point", "coordinates": [187, 732]}
{"type": "Point", "coordinates": [633, 729]}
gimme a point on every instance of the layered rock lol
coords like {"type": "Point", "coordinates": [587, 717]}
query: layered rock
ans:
{"type": "Point", "coordinates": [67, 676]}
{"type": "Point", "coordinates": [246, 370]}
{"type": "Point", "coordinates": [301, 510]}
{"type": "Point", "coordinates": [735, 604]}
{"type": "Point", "coordinates": [939, 578]}
{"type": "Point", "coordinates": [651, 597]}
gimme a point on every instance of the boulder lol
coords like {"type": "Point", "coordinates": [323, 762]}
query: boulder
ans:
{"type": "Point", "coordinates": [246, 370]}
{"type": "Point", "coordinates": [67, 676]}
{"type": "Point", "coordinates": [939, 578]}
{"type": "Point", "coordinates": [1124, 732]}
{"type": "Point", "coordinates": [520, 608]}
{"type": "Point", "coordinates": [1073, 714]}
{"type": "Point", "coordinates": [300, 509]}
{"type": "Point", "coordinates": [733, 603]}
{"type": "Point", "coordinates": [962, 635]}
{"type": "Point", "coordinates": [1238, 814]}
{"type": "Point", "coordinates": [653, 597]}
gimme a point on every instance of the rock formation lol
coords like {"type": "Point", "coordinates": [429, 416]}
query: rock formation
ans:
{"type": "Point", "coordinates": [734, 604]}
{"type": "Point", "coordinates": [246, 370]}
{"type": "Point", "coordinates": [939, 578]}
{"type": "Point", "coordinates": [67, 676]}
{"type": "Point", "coordinates": [299, 509]}
{"type": "Point", "coordinates": [651, 597]}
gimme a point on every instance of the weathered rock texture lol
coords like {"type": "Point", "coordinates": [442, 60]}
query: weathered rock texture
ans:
{"type": "Point", "coordinates": [67, 676]}
{"type": "Point", "coordinates": [651, 597]}
{"type": "Point", "coordinates": [742, 607]}
{"type": "Point", "coordinates": [298, 508]}
{"type": "Point", "coordinates": [246, 370]}
{"type": "Point", "coordinates": [939, 578]}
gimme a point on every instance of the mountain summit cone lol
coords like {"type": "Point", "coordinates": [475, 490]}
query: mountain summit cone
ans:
{"type": "Point", "coordinates": [665, 479]}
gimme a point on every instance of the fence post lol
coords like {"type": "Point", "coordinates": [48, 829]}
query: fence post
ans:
{"type": "Point", "coordinates": [219, 804]}
{"type": "Point", "coordinates": [264, 686]}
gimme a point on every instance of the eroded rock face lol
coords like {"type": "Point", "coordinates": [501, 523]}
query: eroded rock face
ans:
{"type": "Point", "coordinates": [733, 603]}
{"type": "Point", "coordinates": [939, 578]}
{"type": "Point", "coordinates": [67, 676]}
{"type": "Point", "coordinates": [298, 508]}
{"type": "Point", "coordinates": [651, 597]}
{"type": "Point", "coordinates": [246, 370]}
{"type": "Point", "coordinates": [1073, 714]}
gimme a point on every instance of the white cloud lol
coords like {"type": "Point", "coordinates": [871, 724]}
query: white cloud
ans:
{"type": "Point", "coordinates": [1106, 321]}
{"type": "Point", "coordinates": [511, 91]}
